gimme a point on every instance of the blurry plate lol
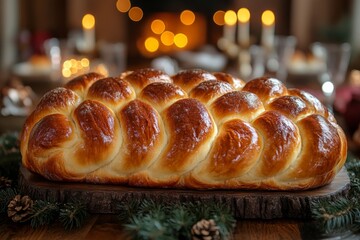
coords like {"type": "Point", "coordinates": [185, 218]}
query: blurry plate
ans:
{"type": "Point", "coordinates": [28, 70]}
{"type": "Point", "coordinates": [208, 59]}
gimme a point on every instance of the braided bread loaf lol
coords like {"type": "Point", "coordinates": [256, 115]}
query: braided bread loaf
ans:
{"type": "Point", "coordinates": [192, 130]}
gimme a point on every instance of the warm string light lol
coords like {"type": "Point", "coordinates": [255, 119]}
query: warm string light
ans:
{"type": "Point", "coordinates": [187, 17]}
{"type": "Point", "coordinates": [166, 37]}
{"type": "Point", "coordinates": [73, 66]}
{"type": "Point", "coordinates": [218, 17]}
{"type": "Point", "coordinates": [123, 5]}
{"type": "Point", "coordinates": [157, 26]}
{"type": "Point", "coordinates": [134, 13]}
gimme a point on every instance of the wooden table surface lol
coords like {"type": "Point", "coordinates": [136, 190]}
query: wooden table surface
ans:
{"type": "Point", "coordinates": [108, 227]}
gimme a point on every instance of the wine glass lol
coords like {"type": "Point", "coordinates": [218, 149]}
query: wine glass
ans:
{"type": "Point", "coordinates": [336, 58]}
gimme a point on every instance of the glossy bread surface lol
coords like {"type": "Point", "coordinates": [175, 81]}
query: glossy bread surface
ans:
{"type": "Point", "coordinates": [195, 129]}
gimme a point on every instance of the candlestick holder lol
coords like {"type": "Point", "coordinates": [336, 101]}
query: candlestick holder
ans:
{"type": "Point", "coordinates": [258, 60]}
{"type": "Point", "coordinates": [247, 62]}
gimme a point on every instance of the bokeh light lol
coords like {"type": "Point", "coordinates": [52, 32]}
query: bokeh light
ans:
{"type": "Point", "coordinates": [88, 21]}
{"type": "Point", "coordinates": [187, 17]}
{"type": "Point", "coordinates": [180, 40]}
{"type": "Point", "coordinates": [167, 38]}
{"type": "Point", "coordinates": [157, 26]}
{"type": "Point", "coordinates": [123, 5]}
{"type": "Point", "coordinates": [268, 18]}
{"type": "Point", "coordinates": [243, 15]}
{"type": "Point", "coordinates": [151, 44]}
{"type": "Point", "coordinates": [218, 17]}
{"type": "Point", "coordinates": [135, 14]}
{"type": "Point", "coordinates": [230, 17]}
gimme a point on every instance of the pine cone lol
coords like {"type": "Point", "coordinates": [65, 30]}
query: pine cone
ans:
{"type": "Point", "coordinates": [5, 182]}
{"type": "Point", "coordinates": [206, 230]}
{"type": "Point", "coordinates": [19, 207]}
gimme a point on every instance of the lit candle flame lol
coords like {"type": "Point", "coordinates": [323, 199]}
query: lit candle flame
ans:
{"type": "Point", "coordinates": [268, 18]}
{"type": "Point", "coordinates": [243, 15]}
{"type": "Point", "coordinates": [88, 21]}
{"type": "Point", "coordinates": [230, 18]}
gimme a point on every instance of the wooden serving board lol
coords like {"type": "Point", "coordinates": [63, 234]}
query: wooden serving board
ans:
{"type": "Point", "coordinates": [245, 204]}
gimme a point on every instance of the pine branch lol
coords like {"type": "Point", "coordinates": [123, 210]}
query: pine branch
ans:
{"type": "Point", "coordinates": [224, 219]}
{"type": "Point", "coordinates": [6, 195]}
{"type": "Point", "coordinates": [127, 209]}
{"type": "Point", "coordinates": [43, 213]}
{"type": "Point", "coordinates": [73, 215]}
{"type": "Point", "coordinates": [146, 227]}
{"type": "Point", "coordinates": [147, 219]}
{"type": "Point", "coordinates": [335, 216]}
{"type": "Point", "coordinates": [182, 220]}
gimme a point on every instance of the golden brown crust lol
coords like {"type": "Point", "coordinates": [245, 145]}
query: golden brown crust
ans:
{"type": "Point", "coordinates": [161, 95]}
{"type": "Point", "coordinates": [111, 91]}
{"type": "Point", "coordinates": [266, 88]}
{"type": "Point", "coordinates": [276, 130]}
{"type": "Point", "coordinates": [143, 77]}
{"type": "Point", "coordinates": [192, 130]}
{"type": "Point", "coordinates": [143, 135]}
{"type": "Point", "coordinates": [239, 104]}
{"type": "Point", "coordinates": [237, 83]}
{"type": "Point", "coordinates": [188, 79]}
{"type": "Point", "coordinates": [290, 106]}
{"type": "Point", "coordinates": [98, 130]}
{"type": "Point", "coordinates": [81, 83]}
{"type": "Point", "coordinates": [210, 90]}
{"type": "Point", "coordinates": [189, 127]}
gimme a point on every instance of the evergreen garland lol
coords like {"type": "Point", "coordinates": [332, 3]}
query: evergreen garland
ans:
{"type": "Point", "coordinates": [6, 195]}
{"type": "Point", "coordinates": [343, 214]}
{"type": "Point", "coordinates": [146, 219]}
{"type": "Point", "coordinates": [73, 215]}
{"type": "Point", "coordinates": [43, 213]}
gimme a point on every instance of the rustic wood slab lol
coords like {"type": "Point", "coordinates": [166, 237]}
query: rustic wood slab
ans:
{"type": "Point", "coordinates": [245, 204]}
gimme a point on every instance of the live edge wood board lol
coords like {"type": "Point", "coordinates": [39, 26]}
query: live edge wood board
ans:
{"type": "Point", "coordinates": [244, 204]}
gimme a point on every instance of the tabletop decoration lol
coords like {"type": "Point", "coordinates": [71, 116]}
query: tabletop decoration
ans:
{"type": "Point", "coordinates": [145, 216]}
{"type": "Point", "coordinates": [148, 219]}
{"type": "Point", "coordinates": [342, 214]}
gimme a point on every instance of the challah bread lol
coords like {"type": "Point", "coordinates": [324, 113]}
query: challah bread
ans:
{"type": "Point", "coordinates": [192, 130]}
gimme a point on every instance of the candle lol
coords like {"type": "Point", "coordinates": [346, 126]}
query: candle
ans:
{"type": "Point", "coordinates": [229, 27]}
{"type": "Point", "coordinates": [88, 24]}
{"type": "Point", "coordinates": [243, 36]}
{"type": "Point", "coordinates": [268, 29]}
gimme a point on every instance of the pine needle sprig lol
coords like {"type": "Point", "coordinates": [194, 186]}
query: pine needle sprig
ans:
{"type": "Point", "coordinates": [200, 210]}
{"type": "Point", "coordinates": [149, 206]}
{"type": "Point", "coordinates": [43, 213]}
{"type": "Point", "coordinates": [149, 219]}
{"type": "Point", "coordinates": [148, 227]}
{"type": "Point", "coordinates": [335, 216]}
{"type": "Point", "coordinates": [224, 219]}
{"type": "Point", "coordinates": [126, 209]}
{"type": "Point", "coordinates": [6, 195]}
{"type": "Point", "coordinates": [73, 215]}
{"type": "Point", "coordinates": [182, 220]}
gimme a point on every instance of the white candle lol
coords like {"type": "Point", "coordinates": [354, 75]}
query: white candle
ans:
{"type": "Point", "coordinates": [230, 26]}
{"type": "Point", "coordinates": [268, 29]}
{"type": "Point", "coordinates": [88, 24]}
{"type": "Point", "coordinates": [243, 36]}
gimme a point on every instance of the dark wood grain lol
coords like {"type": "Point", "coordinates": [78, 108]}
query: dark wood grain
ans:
{"type": "Point", "coordinates": [245, 204]}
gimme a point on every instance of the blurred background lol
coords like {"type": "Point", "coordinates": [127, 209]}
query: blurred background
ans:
{"type": "Point", "coordinates": [309, 44]}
